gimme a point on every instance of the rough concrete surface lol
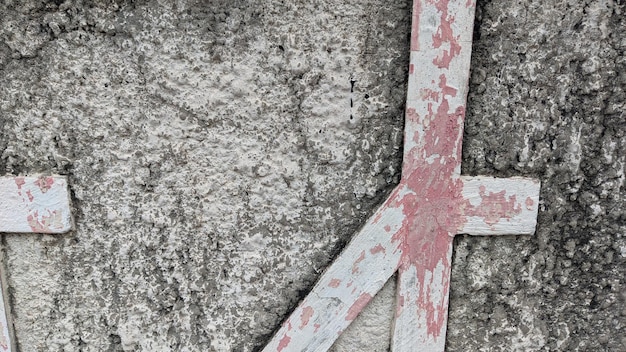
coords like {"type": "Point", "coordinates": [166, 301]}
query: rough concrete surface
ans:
{"type": "Point", "coordinates": [220, 153]}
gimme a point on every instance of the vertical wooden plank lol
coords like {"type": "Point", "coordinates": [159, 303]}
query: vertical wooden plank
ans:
{"type": "Point", "coordinates": [438, 80]}
{"type": "Point", "coordinates": [422, 307]}
{"type": "Point", "coordinates": [436, 98]}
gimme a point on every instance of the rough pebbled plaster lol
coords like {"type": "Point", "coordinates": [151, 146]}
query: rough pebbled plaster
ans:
{"type": "Point", "coordinates": [221, 152]}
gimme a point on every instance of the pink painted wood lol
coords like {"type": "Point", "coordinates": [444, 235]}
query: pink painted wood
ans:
{"type": "Point", "coordinates": [34, 204]}
{"type": "Point", "coordinates": [413, 230]}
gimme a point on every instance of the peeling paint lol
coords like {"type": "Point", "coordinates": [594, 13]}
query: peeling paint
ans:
{"type": "Point", "coordinates": [334, 283]}
{"type": "Point", "coordinates": [34, 204]}
{"type": "Point", "coordinates": [432, 203]}
{"type": "Point", "coordinates": [378, 249]}
{"type": "Point", "coordinates": [307, 313]}
{"type": "Point", "coordinates": [284, 342]}
{"type": "Point", "coordinates": [495, 206]}
{"type": "Point", "coordinates": [358, 306]}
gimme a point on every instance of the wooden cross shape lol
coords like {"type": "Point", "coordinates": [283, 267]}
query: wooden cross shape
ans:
{"type": "Point", "coordinates": [30, 205]}
{"type": "Point", "coordinates": [413, 231]}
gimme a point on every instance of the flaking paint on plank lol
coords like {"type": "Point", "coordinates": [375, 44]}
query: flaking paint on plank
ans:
{"type": "Point", "coordinates": [412, 231]}
{"type": "Point", "coordinates": [39, 204]}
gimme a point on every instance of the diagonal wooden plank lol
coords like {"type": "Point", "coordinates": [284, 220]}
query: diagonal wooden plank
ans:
{"type": "Point", "coordinates": [346, 286]}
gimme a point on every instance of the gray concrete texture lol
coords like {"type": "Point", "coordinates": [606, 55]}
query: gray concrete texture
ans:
{"type": "Point", "coordinates": [220, 154]}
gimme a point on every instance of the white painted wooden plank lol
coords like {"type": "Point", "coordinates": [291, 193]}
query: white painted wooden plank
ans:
{"type": "Point", "coordinates": [422, 307]}
{"type": "Point", "coordinates": [346, 286]}
{"type": "Point", "coordinates": [438, 80]}
{"type": "Point", "coordinates": [497, 206]}
{"type": "Point", "coordinates": [34, 204]}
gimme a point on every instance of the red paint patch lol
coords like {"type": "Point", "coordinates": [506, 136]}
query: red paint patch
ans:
{"type": "Point", "coordinates": [411, 69]}
{"type": "Point", "coordinates": [445, 88]}
{"type": "Point", "coordinates": [284, 342]}
{"type": "Point", "coordinates": [19, 182]}
{"type": "Point", "coordinates": [44, 183]}
{"type": "Point", "coordinates": [377, 217]}
{"type": "Point", "coordinates": [387, 228]}
{"type": "Point", "coordinates": [445, 35]}
{"type": "Point", "coordinates": [287, 324]}
{"type": "Point", "coordinates": [429, 94]}
{"type": "Point", "coordinates": [415, 26]}
{"type": "Point", "coordinates": [529, 203]}
{"type": "Point", "coordinates": [30, 195]}
{"type": "Point", "coordinates": [46, 224]}
{"type": "Point", "coordinates": [334, 283]}
{"type": "Point", "coordinates": [358, 306]}
{"type": "Point", "coordinates": [316, 326]}
{"type": "Point", "coordinates": [378, 249]}
{"type": "Point", "coordinates": [355, 266]}
{"type": "Point", "coordinates": [307, 313]}
{"type": "Point", "coordinates": [411, 116]}
{"type": "Point", "coordinates": [494, 206]}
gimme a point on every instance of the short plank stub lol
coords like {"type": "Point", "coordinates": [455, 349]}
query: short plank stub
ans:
{"type": "Point", "coordinates": [34, 204]}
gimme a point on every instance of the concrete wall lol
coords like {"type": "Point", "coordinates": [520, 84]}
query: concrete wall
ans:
{"type": "Point", "coordinates": [220, 154]}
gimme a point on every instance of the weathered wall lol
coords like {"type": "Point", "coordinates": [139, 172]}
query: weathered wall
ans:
{"type": "Point", "coordinates": [221, 152]}
{"type": "Point", "coordinates": [548, 99]}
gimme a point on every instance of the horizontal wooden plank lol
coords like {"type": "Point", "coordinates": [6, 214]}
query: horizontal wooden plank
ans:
{"type": "Point", "coordinates": [34, 204]}
{"type": "Point", "coordinates": [499, 206]}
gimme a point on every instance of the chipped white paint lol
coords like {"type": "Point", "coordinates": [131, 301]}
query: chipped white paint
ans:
{"type": "Point", "coordinates": [498, 191]}
{"type": "Point", "coordinates": [34, 204]}
{"type": "Point", "coordinates": [412, 232]}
